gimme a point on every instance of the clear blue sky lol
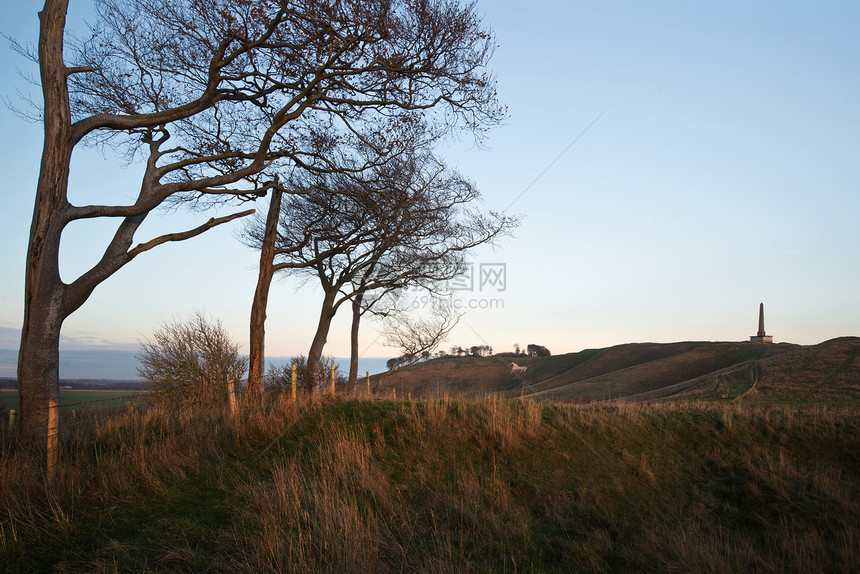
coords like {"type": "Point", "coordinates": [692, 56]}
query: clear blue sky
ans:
{"type": "Point", "coordinates": [724, 170]}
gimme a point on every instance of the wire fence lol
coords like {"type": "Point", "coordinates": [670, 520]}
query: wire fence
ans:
{"type": "Point", "coordinates": [82, 412]}
{"type": "Point", "coordinates": [94, 411]}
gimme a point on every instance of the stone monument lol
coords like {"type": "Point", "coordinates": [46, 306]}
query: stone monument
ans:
{"type": "Point", "coordinates": [761, 337]}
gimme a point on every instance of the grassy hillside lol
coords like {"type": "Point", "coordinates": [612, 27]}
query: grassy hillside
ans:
{"type": "Point", "coordinates": [713, 371]}
{"type": "Point", "coordinates": [442, 486]}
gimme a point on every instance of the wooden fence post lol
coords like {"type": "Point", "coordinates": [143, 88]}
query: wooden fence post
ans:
{"type": "Point", "coordinates": [294, 382]}
{"type": "Point", "coordinates": [11, 421]}
{"type": "Point", "coordinates": [394, 393]}
{"type": "Point", "coordinates": [231, 396]}
{"type": "Point", "coordinates": [53, 436]}
{"type": "Point", "coordinates": [332, 379]}
{"type": "Point", "coordinates": [368, 383]}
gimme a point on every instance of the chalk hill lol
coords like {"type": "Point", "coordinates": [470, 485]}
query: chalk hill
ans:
{"type": "Point", "coordinates": [785, 373]}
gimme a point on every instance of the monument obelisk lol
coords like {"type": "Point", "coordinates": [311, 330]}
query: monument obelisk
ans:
{"type": "Point", "coordinates": [761, 337]}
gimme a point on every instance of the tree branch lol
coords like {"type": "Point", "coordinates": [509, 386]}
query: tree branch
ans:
{"type": "Point", "coordinates": [215, 221]}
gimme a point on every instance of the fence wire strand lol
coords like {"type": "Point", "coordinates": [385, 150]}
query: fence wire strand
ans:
{"type": "Point", "coordinates": [74, 418]}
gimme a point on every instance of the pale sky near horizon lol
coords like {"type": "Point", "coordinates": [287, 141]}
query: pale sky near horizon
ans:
{"type": "Point", "coordinates": [721, 169]}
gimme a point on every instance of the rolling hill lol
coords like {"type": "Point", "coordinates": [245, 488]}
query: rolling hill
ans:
{"type": "Point", "coordinates": [722, 371]}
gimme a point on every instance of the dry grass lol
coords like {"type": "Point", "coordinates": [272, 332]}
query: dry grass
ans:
{"type": "Point", "coordinates": [488, 485]}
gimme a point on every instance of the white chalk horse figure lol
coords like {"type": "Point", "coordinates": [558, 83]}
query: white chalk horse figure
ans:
{"type": "Point", "coordinates": [515, 368]}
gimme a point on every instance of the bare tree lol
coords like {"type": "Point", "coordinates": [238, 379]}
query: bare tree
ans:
{"type": "Point", "coordinates": [260, 302]}
{"type": "Point", "coordinates": [416, 336]}
{"type": "Point", "coordinates": [407, 222]}
{"type": "Point", "coordinates": [215, 97]}
{"type": "Point", "coordinates": [189, 362]}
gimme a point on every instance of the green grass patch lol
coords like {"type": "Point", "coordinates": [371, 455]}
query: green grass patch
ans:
{"type": "Point", "coordinates": [81, 400]}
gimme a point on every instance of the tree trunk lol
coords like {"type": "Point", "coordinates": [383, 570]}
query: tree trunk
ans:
{"type": "Point", "coordinates": [320, 337]}
{"type": "Point", "coordinates": [257, 357]}
{"type": "Point", "coordinates": [39, 360]}
{"type": "Point", "coordinates": [45, 305]}
{"type": "Point", "coordinates": [353, 343]}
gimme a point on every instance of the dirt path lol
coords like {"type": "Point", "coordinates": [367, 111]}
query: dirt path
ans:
{"type": "Point", "coordinates": [752, 378]}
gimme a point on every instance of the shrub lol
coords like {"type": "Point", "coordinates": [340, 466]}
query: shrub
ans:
{"type": "Point", "coordinates": [190, 361]}
{"type": "Point", "coordinates": [279, 379]}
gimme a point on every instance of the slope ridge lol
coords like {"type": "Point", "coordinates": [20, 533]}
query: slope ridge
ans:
{"type": "Point", "coordinates": [687, 370]}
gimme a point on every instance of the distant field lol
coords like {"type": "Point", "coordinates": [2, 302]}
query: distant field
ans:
{"type": "Point", "coordinates": [80, 400]}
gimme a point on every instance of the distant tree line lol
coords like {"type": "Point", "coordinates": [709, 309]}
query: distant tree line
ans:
{"type": "Point", "coordinates": [473, 351]}
{"type": "Point", "coordinates": [537, 351]}
{"type": "Point", "coordinates": [84, 384]}
{"type": "Point", "coordinates": [457, 351]}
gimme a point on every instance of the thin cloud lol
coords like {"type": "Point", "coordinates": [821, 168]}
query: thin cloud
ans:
{"type": "Point", "coordinates": [82, 341]}
{"type": "Point", "coordinates": [10, 339]}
